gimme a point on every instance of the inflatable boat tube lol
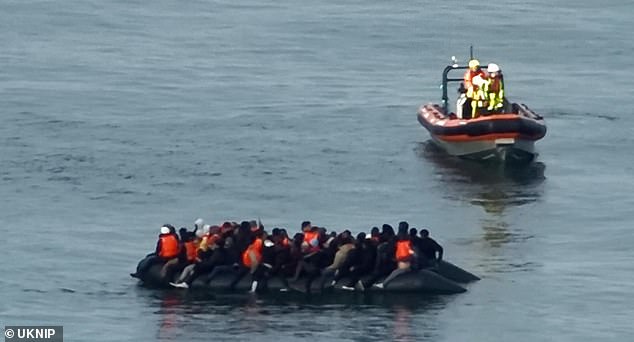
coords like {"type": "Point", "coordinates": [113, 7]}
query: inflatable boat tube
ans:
{"type": "Point", "coordinates": [423, 281]}
{"type": "Point", "coordinates": [455, 273]}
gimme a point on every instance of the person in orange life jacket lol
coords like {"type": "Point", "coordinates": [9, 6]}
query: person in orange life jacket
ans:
{"type": "Point", "coordinates": [188, 257]}
{"type": "Point", "coordinates": [494, 88]}
{"type": "Point", "coordinates": [310, 248]}
{"type": "Point", "coordinates": [314, 256]}
{"type": "Point", "coordinates": [473, 71]}
{"type": "Point", "coordinates": [207, 243]}
{"type": "Point", "coordinates": [167, 246]}
{"type": "Point", "coordinates": [403, 255]}
{"type": "Point", "coordinates": [428, 248]}
{"type": "Point", "coordinates": [191, 248]}
{"type": "Point", "coordinates": [166, 249]}
{"type": "Point", "coordinates": [311, 237]}
{"type": "Point", "coordinates": [251, 260]}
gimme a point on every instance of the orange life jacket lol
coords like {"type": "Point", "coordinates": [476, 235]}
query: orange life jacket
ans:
{"type": "Point", "coordinates": [309, 237]}
{"type": "Point", "coordinates": [495, 85]}
{"type": "Point", "coordinates": [256, 248]}
{"type": "Point", "coordinates": [191, 249]}
{"type": "Point", "coordinates": [469, 75]}
{"type": "Point", "coordinates": [169, 246]}
{"type": "Point", "coordinates": [403, 250]}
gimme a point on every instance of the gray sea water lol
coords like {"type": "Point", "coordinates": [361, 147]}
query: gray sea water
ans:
{"type": "Point", "coordinates": [119, 116]}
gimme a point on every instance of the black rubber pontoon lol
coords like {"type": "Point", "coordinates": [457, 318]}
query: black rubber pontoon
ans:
{"type": "Point", "coordinates": [441, 280]}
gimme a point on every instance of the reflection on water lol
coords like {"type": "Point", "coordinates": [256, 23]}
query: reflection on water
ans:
{"type": "Point", "coordinates": [494, 187]}
{"type": "Point", "coordinates": [168, 313]}
{"type": "Point", "coordinates": [457, 170]}
{"type": "Point", "coordinates": [187, 315]}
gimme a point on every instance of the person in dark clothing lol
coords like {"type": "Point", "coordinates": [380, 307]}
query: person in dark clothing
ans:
{"type": "Point", "coordinates": [182, 232]}
{"type": "Point", "coordinates": [344, 246]}
{"type": "Point", "coordinates": [355, 257]}
{"type": "Point", "coordinates": [281, 255]}
{"type": "Point", "coordinates": [385, 262]}
{"type": "Point", "coordinates": [360, 262]}
{"type": "Point", "coordinates": [413, 237]}
{"type": "Point", "coordinates": [222, 259]}
{"type": "Point", "coordinates": [375, 234]}
{"type": "Point", "coordinates": [243, 237]}
{"type": "Point", "coordinates": [295, 255]}
{"type": "Point", "coordinates": [428, 248]}
{"type": "Point", "coordinates": [387, 233]}
{"type": "Point", "coordinates": [219, 257]}
{"type": "Point", "coordinates": [282, 249]}
{"type": "Point", "coordinates": [403, 227]}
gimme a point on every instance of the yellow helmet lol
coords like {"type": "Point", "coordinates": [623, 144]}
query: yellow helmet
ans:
{"type": "Point", "coordinates": [474, 63]}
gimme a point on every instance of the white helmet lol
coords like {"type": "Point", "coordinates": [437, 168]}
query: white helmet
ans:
{"type": "Point", "coordinates": [198, 223]}
{"type": "Point", "coordinates": [165, 230]}
{"type": "Point", "coordinates": [206, 228]}
{"type": "Point", "coordinates": [493, 68]}
{"type": "Point", "coordinates": [200, 233]}
{"type": "Point", "coordinates": [477, 81]}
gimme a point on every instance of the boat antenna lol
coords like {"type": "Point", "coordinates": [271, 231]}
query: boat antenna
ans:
{"type": "Point", "coordinates": [470, 52]}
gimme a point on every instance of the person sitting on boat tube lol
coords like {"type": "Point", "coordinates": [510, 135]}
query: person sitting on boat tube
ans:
{"type": "Point", "coordinates": [478, 96]}
{"type": "Point", "coordinates": [494, 88]}
{"type": "Point", "coordinates": [167, 249]}
{"type": "Point", "coordinates": [403, 254]}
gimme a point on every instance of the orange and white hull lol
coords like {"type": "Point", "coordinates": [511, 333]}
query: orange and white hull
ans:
{"type": "Point", "coordinates": [506, 136]}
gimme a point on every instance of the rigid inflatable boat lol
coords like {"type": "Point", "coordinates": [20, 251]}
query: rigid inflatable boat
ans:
{"type": "Point", "coordinates": [443, 279]}
{"type": "Point", "coordinates": [507, 135]}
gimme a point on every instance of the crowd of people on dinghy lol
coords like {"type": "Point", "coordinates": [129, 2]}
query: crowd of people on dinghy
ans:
{"type": "Point", "coordinates": [313, 253]}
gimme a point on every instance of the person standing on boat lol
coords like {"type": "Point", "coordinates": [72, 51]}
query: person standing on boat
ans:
{"type": "Point", "coordinates": [473, 71]}
{"type": "Point", "coordinates": [468, 91]}
{"type": "Point", "coordinates": [494, 88]}
{"type": "Point", "coordinates": [479, 96]}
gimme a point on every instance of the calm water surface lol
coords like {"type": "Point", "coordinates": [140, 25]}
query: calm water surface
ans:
{"type": "Point", "coordinates": [120, 116]}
